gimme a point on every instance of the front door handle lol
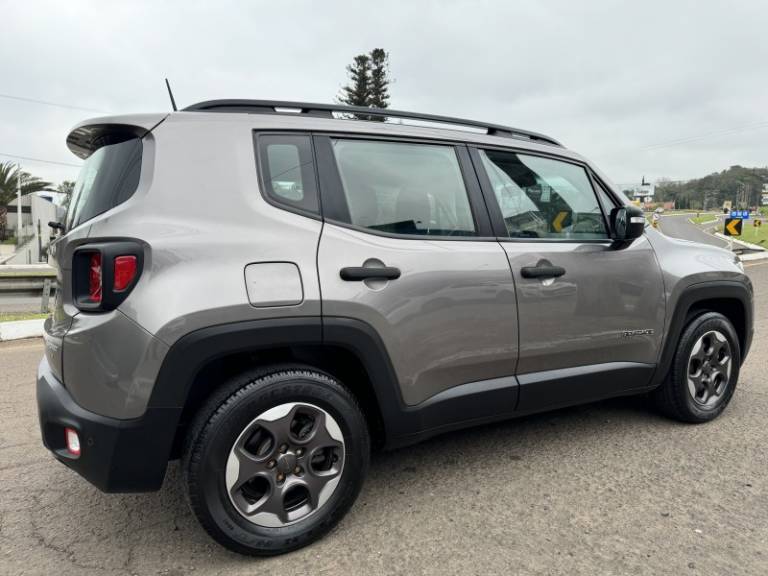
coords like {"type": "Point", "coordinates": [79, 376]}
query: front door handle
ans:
{"type": "Point", "coordinates": [542, 271]}
{"type": "Point", "coordinates": [358, 273]}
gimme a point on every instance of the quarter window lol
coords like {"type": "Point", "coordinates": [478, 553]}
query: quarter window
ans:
{"type": "Point", "coordinates": [404, 188]}
{"type": "Point", "coordinates": [288, 171]}
{"type": "Point", "coordinates": [543, 198]}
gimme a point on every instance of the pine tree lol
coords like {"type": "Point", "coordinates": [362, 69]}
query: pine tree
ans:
{"type": "Point", "coordinates": [379, 97]}
{"type": "Point", "coordinates": [368, 82]}
{"type": "Point", "coordinates": [358, 91]}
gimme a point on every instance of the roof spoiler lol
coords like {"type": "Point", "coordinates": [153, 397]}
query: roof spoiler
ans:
{"type": "Point", "coordinates": [89, 136]}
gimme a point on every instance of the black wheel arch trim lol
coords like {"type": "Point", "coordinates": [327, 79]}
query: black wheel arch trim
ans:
{"type": "Point", "coordinates": [690, 297]}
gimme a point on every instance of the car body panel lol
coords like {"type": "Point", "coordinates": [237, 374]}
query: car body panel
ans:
{"type": "Point", "coordinates": [608, 307]}
{"type": "Point", "coordinates": [449, 319]}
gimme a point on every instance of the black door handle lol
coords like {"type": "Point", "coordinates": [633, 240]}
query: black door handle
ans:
{"type": "Point", "coordinates": [542, 271]}
{"type": "Point", "coordinates": [356, 273]}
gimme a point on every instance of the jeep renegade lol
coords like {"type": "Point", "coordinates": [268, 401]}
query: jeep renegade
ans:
{"type": "Point", "coordinates": [267, 290]}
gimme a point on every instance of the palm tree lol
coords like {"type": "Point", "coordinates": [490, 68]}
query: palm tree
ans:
{"type": "Point", "coordinates": [9, 174]}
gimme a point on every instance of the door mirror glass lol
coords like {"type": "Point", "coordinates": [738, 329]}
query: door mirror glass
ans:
{"type": "Point", "coordinates": [627, 223]}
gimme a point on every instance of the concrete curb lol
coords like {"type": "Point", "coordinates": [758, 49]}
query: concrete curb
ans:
{"type": "Point", "coordinates": [741, 242]}
{"type": "Point", "coordinates": [21, 329]}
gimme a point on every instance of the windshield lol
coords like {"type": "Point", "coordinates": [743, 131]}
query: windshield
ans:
{"type": "Point", "coordinates": [108, 178]}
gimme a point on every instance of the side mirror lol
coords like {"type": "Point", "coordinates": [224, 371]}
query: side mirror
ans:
{"type": "Point", "coordinates": [627, 223]}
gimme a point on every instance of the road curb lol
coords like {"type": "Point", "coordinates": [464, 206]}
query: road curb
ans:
{"type": "Point", "coordinates": [743, 243]}
{"type": "Point", "coordinates": [19, 329]}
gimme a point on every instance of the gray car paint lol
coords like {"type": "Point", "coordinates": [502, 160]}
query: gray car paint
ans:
{"type": "Point", "coordinates": [449, 320]}
{"type": "Point", "coordinates": [581, 317]}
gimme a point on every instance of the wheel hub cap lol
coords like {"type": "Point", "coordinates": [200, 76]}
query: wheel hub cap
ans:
{"type": "Point", "coordinates": [285, 464]}
{"type": "Point", "coordinates": [709, 368]}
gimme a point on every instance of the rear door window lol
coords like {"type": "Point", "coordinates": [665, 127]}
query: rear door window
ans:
{"type": "Point", "coordinates": [404, 188]}
{"type": "Point", "coordinates": [108, 178]}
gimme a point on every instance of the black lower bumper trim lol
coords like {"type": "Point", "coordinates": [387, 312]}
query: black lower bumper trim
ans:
{"type": "Point", "coordinates": [115, 455]}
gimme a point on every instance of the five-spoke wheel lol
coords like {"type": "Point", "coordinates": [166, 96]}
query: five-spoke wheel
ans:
{"type": "Point", "coordinates": [709, 367]}
{"type": "Point", "coordinates": [704, 371]}
{"type": "Point", "coordinates": [275, 458]}
{"type": "Point", "coordinates": [285, 464]}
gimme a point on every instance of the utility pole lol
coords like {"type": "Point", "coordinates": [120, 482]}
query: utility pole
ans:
{"type": "Point", "coordinates": [18, 205]}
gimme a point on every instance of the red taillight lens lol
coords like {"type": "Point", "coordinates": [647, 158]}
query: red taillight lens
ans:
{"type": "Point", "coordinates": [125, 272]}
{"type": "Point", "coordinates": [94, 278]}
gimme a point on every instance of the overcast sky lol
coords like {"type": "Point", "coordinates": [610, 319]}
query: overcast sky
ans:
{"type": "Point", "coordinates": [655, 88]}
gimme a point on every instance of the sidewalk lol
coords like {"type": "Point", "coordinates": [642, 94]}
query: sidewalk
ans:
{"type": "Point", "coordinates": [18, 329]}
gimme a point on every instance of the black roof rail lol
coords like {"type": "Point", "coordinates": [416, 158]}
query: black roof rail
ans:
{"type": "Point", "coordinates": [327, 110]}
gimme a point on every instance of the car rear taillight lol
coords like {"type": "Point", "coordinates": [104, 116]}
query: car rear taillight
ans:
{"type": "Point", "coordinates": [94, 278]}
{"type": "Point", "coordinates": [104, 273]}
{"type": "Point", "coordinates": [125, 272]}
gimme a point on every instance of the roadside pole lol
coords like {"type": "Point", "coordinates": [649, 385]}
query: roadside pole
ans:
{"type": "Point", "coordinates": [18, 205]}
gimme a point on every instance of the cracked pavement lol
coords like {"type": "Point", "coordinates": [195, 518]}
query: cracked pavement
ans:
{"type": "Point", "coordinates": [607, 488]}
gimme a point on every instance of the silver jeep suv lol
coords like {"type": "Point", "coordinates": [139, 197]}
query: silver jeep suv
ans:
{"type": "Point", "coordinates": [267, 290]}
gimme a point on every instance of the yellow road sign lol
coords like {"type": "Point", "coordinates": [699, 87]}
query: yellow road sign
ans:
{"type": "Point", "coordinates": [732, 227]}
{"type": "Point", "coordinates": [559, 222]}
{"type": "Point", "coordinates": [758, 222]}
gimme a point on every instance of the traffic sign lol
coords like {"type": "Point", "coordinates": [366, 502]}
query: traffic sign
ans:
{"type": "Point", "coordinates": [732, 227]}
{"type": "Point", "coordinates": [745, 214]}
{"type": "Point", "coordinates": [758, 223]}
{"type": "Point", "coordinates": [562, 220]}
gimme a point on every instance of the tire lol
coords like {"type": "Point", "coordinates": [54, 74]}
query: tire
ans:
{"type": "Point", "coordinates": [260, 421]}
{"type": "Point", "coordinates": [691, 395]}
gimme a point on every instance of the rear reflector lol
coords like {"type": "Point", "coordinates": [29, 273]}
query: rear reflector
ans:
{"type": "Point", "coordinates": [125, 272]}
{"type": "Point", "coordinates": [94, 278]}
{"type": "Point", "coordinates": [73, 441]}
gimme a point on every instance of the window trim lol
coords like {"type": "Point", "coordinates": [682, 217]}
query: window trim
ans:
{"type": "Point", "coordinates": [497, 219]}
{"type": "Point", "coordinates": [335, 209]}
{"type": "Point", "coordinates": [261, 172]}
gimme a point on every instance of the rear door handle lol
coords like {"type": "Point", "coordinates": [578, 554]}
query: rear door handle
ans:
{"type": "Point", "coordinates": [542, 271]}
{"type": "Point", "coordinates": [357, 273]}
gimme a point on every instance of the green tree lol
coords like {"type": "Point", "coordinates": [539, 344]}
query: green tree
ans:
{"type": "Point", "coordinates": [358, 91]}
{"type": "Point", "coordinates": [368, 84]}
{"type": "Point", "coordinates": [9, 174]}
{"type": "Point", "coordinates": [380, 79]}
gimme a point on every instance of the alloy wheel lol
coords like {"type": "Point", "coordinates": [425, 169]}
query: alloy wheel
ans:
{"type": "Point", "coordinates": [709, 368]}
{"type": "Point", "coordinates": [285, 464]}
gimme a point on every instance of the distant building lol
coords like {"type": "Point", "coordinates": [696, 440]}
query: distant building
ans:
{"type": "Point", "coordinates": [642, 193]}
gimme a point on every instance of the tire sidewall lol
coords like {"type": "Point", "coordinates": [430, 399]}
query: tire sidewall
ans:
{"type": "Point", "coordinates": [211, 449]}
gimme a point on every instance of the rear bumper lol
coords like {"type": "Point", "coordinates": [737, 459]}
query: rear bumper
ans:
{"type": "Point", "coordinates": [116, 455]}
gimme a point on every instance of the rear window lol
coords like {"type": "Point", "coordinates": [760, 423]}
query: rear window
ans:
{"type": "Point", "coordinates": [288, 170]}
{"type": "Point", "coordinates": [404, 188]}
{"type": "Point", "coordinates": [108, 178]}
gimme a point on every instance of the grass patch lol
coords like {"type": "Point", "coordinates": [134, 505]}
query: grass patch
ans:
{"type": "Point", "coordinates": [13, 316]}
{"type": "Point", "coordinates": [751, 234]}
{"type": "Point", "coordinates": [703, 218]}
{"type": "Point", "coordinates": [31, 274]}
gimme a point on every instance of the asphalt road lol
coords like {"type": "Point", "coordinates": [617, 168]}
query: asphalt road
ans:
{"type": "Point", "coordinates": [607, 488]}
{"type": "Point", "coordinates": [677, 225]}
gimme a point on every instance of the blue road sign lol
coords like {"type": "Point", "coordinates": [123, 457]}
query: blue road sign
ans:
{"type": "Point", "coordinates": [745, 214]}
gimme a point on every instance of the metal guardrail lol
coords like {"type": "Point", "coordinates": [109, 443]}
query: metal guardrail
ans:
{"type": "Point", "coordinates": [35, 280]}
